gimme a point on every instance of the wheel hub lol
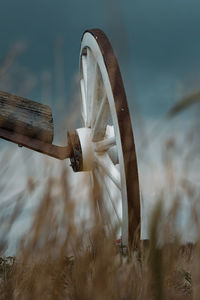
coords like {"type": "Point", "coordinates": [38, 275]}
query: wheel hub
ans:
{"type": "Point", "coordinates": [87, 148]}
{"type": "Point", "coordinates": [82, 156]}
{"type": "Point", "coordinates": [84, 149]}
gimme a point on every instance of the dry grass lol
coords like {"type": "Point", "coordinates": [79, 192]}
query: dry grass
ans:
{"type": "Point", "coordinates": [59, 259]}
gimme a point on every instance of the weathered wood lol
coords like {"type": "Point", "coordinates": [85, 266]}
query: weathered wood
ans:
{"type": "Point", "coordinates": [26, 117]}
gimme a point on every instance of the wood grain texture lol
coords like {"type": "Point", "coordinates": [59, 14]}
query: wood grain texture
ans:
{"type": "Point", "coordinates": [26, 117]}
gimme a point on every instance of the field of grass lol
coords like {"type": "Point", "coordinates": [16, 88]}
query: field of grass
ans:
{"type": "Point", "coordinates": [60, 258]}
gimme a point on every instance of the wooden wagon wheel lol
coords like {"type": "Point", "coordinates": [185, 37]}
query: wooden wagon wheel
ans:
{"type": "Point", "coordinates": [104, 146]}
{"type": "Point", "coordinates": [107, 131]}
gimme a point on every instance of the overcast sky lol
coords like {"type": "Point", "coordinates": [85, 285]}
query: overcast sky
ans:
{"type": "Point", "coordinates": [157, 44]}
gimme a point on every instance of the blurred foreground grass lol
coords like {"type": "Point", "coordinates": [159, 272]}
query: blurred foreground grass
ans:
{"type": "Point", "coordinates": [60, 258]}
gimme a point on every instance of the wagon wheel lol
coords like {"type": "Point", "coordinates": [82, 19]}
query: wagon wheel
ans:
{"type": "Point", "coordinates": [108, 133]}
{"type": "Point", "coordinates": [104, 146]}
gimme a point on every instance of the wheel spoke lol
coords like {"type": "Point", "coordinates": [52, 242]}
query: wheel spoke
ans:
{"type": "Point", "coordinates": [101, 205]}
{"type": "Point", "coordinates": [101, 121]}
{"type": "Point", "coordinates": [106, 164]}
{"type": "Point", "coordinates": [84, 107]}
{"type": "Point", "coordinates": [84, 68]}
{"type": "Point", "coordinates": [91, 86]}
{"type": "Point", "coordinates": [104, 145]}
{"type": "Point", "coordinates": [108, 190]}
{"type": "Point", "coordinates": [97, 195]}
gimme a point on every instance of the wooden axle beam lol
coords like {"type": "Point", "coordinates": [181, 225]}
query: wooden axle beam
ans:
{"type": "Point", "coordinates": [30, 124]}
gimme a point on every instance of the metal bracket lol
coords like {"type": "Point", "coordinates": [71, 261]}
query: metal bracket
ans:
{"type": "Point", "coordinates": [72, 150]}
{"type": "Point", "coordinates": [37, 145]}
{"type": "Point", "coordinates": [76, 153]}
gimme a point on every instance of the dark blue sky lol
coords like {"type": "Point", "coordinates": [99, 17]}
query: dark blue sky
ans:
{"type": "Point", "coordinates": [157, 44]}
